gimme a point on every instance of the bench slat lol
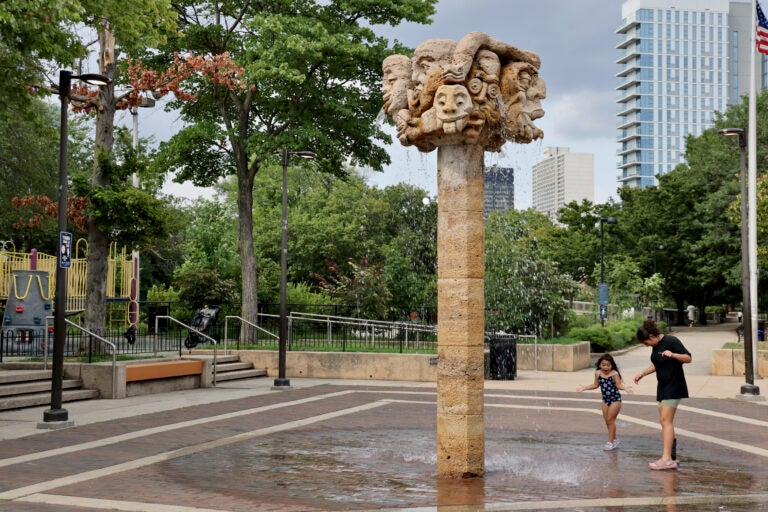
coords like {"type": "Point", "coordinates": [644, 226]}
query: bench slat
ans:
{"type": "Point", "coordinates": [162, 370]}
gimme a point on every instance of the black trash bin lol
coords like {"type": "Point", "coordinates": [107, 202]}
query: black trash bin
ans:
{"type": "Point", "coordinates": [503, 357]}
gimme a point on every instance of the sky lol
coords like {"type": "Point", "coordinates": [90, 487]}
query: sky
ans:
{"type": "Point", "coordinates": [576, 41]}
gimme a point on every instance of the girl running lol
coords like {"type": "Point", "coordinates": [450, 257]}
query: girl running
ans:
{"type": "Point", "coordinates": [608, 379]}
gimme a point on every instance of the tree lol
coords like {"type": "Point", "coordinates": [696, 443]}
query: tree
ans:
{"type": "Point", "coordinates": [312, 71]}
{"type": "Point", "coordinates": [363, 292]}
{"type": "Point", "coordinates": [119, 27]}
{"type": "Point", "coordinates": [525, 293]}
{"type": "Point", "coordinates": [32, 35]}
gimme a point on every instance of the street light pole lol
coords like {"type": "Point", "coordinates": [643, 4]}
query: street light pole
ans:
{"type": "Point", "coordinates": [602, 287]}
{"type": "Point", "coordinates": [57, 416]}
{"type": "Point", "coordinates": [281, 382]}
{"type": "Point", "coordinates": [749, 387]}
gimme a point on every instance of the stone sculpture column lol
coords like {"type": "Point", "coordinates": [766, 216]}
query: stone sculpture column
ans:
{"type": "Point", "coordinates": [460, 311]}
{"type": "Point", "coordinates": [464, 99]}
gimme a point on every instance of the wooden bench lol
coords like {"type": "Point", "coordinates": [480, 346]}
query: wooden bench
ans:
{"type": "Point", "coordinates": [162, 370]}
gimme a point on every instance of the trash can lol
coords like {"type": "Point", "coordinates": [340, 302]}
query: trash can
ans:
{"type": "Point", "coordinates": [503, 357]}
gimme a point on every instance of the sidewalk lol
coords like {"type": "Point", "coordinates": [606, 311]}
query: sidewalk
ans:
{"type": "Point", "coordinates": [370, 445]}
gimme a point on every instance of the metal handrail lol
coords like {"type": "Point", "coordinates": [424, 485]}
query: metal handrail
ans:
{"type": "Point", "coordinates": [368, 325]}
{"type": "Point", "coordinates": [243, 320]}
{"type": "Point", "coordinates": [94, 335]}
{"type": "Point", "coordinates": [215, 343]}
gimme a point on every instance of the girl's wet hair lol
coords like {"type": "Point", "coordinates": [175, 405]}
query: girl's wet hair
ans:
{"type": "Point", "coordinates": [648, 329]}
{"type": "Point", "coordinates": [609, 358]}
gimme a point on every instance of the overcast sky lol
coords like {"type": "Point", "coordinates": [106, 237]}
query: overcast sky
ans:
{"type": "Point", "coordinates": [576, 42]}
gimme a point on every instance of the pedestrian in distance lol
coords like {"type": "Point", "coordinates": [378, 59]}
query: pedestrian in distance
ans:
{"type": "Point", "coordinates": [668, 355]}
{"type": "Point", "coordinates": [608, 379]}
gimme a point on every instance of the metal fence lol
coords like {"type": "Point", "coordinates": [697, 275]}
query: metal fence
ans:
{"type": "Point", "coordinates": [306, 332]}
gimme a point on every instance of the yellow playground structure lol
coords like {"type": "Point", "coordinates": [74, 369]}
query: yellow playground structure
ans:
{"type": "Point", "coordinates": [122, 279]}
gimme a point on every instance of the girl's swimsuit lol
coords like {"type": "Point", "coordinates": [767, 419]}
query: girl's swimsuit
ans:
{"type": "Point", "coordinates": [608, 388]}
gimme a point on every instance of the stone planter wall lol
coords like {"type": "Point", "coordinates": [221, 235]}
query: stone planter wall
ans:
{"type": "Point", "coordinates": [557, 358]}
{"type": "Point", "coordinates": [730, 362]}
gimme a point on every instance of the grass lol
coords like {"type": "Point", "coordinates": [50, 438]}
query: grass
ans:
{"type": "Point", "coordinates": [94, 359]}
{"type": "Point", "coordinates": [762, 345]}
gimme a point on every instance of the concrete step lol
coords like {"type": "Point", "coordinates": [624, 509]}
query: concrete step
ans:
{"type": "Point", "coordinates": [11, 376]}
{"type": "Point", "coordinates": [40, 386]}
{"type": "Point", "coordinates": [220, 358]}
{"type": "Point", "coordinates": [231, 367]}
{"type": "Point", "coordinates": [36, 399]}
{"type": "Point", "coordinates": [240, 374]}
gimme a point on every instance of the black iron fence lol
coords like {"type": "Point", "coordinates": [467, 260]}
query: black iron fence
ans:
{"type": "Point", "coordinates": [306, 332]}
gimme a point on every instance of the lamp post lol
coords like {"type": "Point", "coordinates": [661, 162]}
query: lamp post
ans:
{"type": "Point", "coordinates": [135, 292]}
{"type": "Point", "coordinates": [658, 247]}
{"type": "Point", "coordinates": [602, 287]}
{"type": "Point", "coordinates": [281, 382]}
{"type": "Point", "coordinates": [749, 387]}
{"type": "Point", "coordinates": [56, 415]}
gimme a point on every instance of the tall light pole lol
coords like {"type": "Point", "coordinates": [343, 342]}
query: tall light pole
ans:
{"type": "Point", "coordinates": [749, 387]}
{"type": "Point", "coordinates": [135, 292]}
{"type": "Point", "coordinates": [57, 416]}
{"type": "Point", "coordinates": [656, 248]}
{"type": "Point", "coordinates": [602, 287]}
{"type": "Point", "coordinates": [281, 382]}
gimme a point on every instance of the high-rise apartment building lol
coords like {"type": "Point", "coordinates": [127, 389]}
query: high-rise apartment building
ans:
{"type": "Point", "coordinates": [498, 189]}
{"type": "Point", "coordinates": [561, 177]}
{"type": "Point", "coordinates": [681, 61]}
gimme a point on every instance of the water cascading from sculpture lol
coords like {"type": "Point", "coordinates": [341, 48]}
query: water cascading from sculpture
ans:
{"type": "Point", "coordinates": [463, 98]}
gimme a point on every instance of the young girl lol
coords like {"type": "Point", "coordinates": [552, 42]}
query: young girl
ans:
{"type": "Point", "coordinates": [608, 379]}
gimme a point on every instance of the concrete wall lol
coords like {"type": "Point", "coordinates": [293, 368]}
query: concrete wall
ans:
{"type": "Point", "coordinates": [730, 362]}
{"type": "Point", "coordinates": [346, 365]}
{"type": "Point", "coordinates": [558, 358]}
{"type": "Point", "coordinates": [414, 367]}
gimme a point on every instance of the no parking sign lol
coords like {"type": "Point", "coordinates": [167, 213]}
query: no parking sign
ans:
{"type": "Point", "coordinates": [65, 249]}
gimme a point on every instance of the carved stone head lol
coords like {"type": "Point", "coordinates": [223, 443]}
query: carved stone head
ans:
{"type": "Point", "coordinates": [477, 91]}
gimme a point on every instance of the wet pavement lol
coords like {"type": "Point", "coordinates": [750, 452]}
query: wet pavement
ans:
{"type": "Point", "coordinates": [357, 446]}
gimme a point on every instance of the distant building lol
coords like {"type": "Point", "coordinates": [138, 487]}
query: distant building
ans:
{"type": "Point", "coordinates": [562, 177]}
{"type": "Point", "coordinates": [499, 194]}
{"type": "Point", "coordinates": [680, 62]}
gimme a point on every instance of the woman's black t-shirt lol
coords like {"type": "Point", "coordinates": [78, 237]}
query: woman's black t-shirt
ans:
{"type": "Point", "coordinates": [669, 371]}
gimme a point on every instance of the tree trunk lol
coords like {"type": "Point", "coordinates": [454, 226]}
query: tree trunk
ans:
{"type": "Point", "coordinates": [98, 242]}
{"type": "Point", "coordinates": [247, 253]}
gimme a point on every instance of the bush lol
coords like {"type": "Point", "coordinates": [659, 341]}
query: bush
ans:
{"type": "Point", "coordinates": [614, 336]}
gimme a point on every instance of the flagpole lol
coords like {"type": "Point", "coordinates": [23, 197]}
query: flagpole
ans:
{"type": "Point", "coordinates": [752, 192]}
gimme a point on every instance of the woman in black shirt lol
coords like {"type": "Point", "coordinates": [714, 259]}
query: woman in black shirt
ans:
{"type": "Point", "coordinates": [667, 358]}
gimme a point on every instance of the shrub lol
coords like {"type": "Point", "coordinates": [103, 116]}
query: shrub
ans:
{"type": "Point", "coordinates": [612, 336]}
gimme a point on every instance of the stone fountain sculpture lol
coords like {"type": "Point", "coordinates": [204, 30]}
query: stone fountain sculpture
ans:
{"type": "Point", "coordinates": [464, 99]}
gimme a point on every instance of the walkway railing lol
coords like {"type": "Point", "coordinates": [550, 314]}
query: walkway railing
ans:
{"type": "Point", "coordinates": [92, 336]}
{"type": "Point", "coordinates": [198, 333]}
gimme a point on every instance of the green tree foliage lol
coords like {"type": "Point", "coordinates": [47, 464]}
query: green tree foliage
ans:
{"type": "Point", "coordinates": [198, 287]}
{"type": "Point", "coordinates": [32, 35]}
{"type": "Point", "coordinates": [525, 292]}
{"type": "Point", "coordinates": [211, 239]}
{"type": "Point", "coordinates": [363, 292]}
{"type": "Point", "coordinates": [312, 73]}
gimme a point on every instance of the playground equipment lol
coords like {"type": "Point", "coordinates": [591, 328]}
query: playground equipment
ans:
{"type": "Point", "coordinates": [28, 284]}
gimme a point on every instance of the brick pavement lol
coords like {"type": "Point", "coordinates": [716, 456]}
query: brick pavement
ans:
{"type": "Point", "coordinates": [339, 445]}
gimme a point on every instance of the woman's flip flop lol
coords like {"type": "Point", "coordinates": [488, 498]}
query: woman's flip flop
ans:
{"type": "Point", "coordinates": [660, 465]}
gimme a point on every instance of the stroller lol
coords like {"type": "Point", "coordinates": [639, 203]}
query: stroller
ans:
{"type": "Point", "coordinates": [203, 320]}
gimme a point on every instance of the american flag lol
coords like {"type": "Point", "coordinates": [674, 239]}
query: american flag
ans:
{"type": "Point", "coordinates": [761, 34]}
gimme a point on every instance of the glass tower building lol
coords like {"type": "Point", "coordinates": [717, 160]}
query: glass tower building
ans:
{"type": "Point", "coordinates": [681, 61]}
